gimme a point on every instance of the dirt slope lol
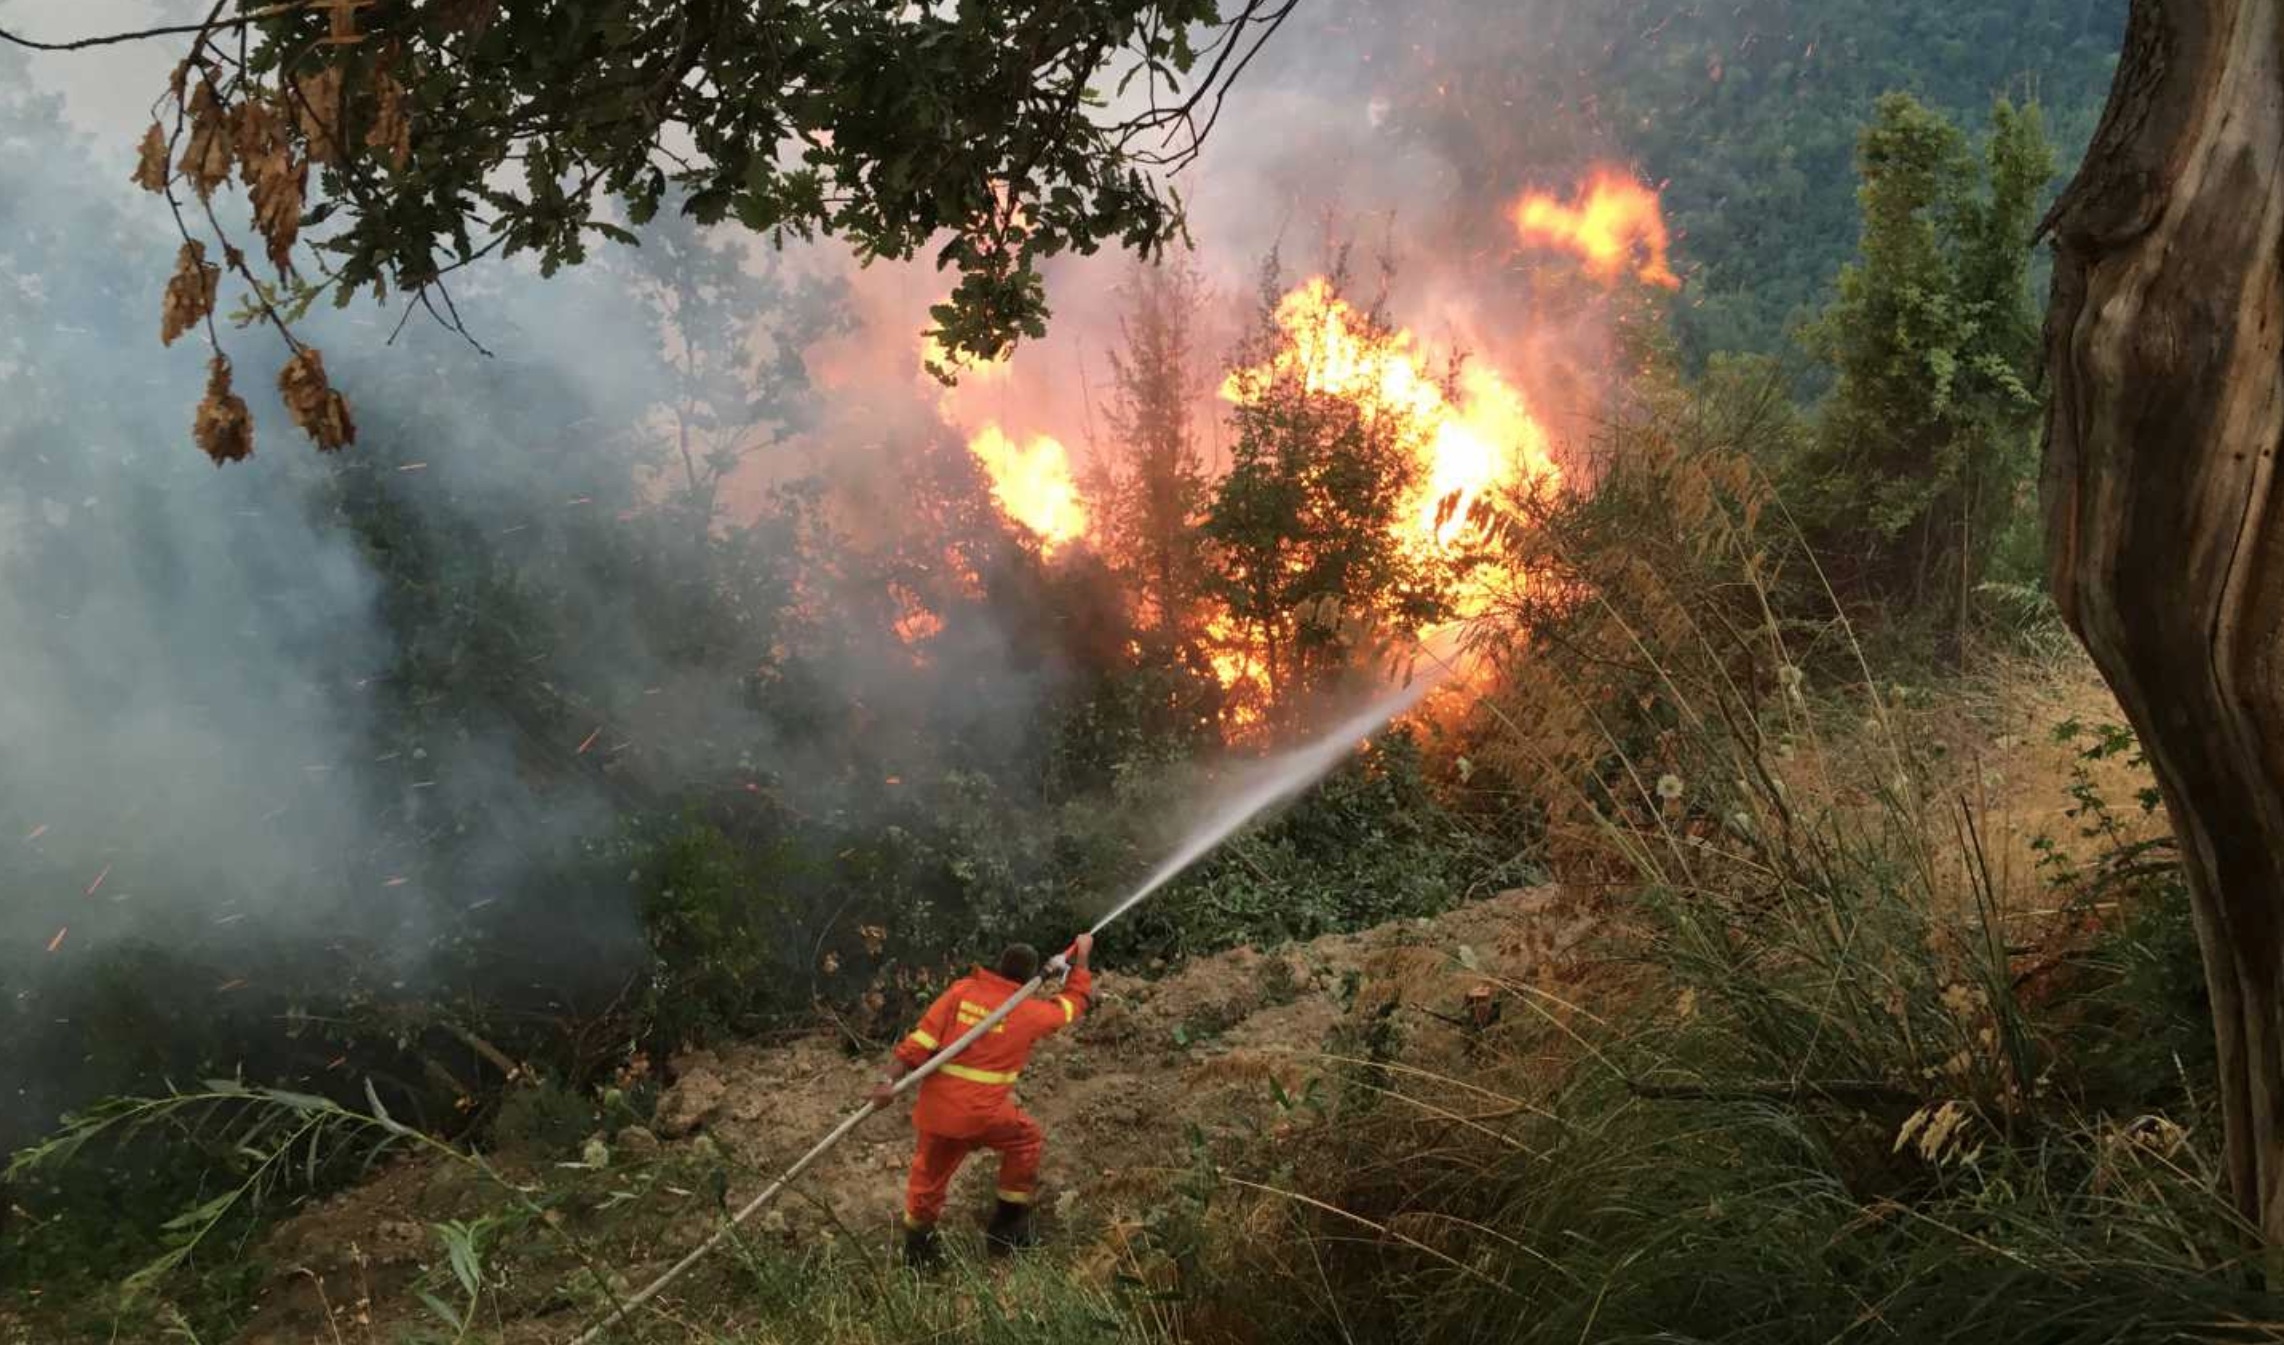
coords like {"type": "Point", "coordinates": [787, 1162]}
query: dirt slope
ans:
{"type": "Point", "coordinates": [1119, 1097]}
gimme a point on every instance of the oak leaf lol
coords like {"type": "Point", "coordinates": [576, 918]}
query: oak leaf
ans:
{"type": "Point", "coordinates": [320, 411]}
{"type": "Point", "coordinates": [317, 108]}
{"type": "Point", "coordinates": [190, 292]}
{"type": "Point", "coordinates": [277, 181]}
{"type": "Point", "coordinates": [223, 426]}
{"type": "Point", "coordinates": [391, 131]}
{"type": "Point", "coordinates": [205, 159]}
{"type": "Point", "coordinates": [151, 160]}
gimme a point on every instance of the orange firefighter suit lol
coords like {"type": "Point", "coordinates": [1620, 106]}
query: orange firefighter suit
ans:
{"type": "Point", "coordinates": [969, 1103]}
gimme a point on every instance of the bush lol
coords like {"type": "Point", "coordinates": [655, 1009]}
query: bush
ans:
{"type": "Point", "coordinates": [1371, 843]}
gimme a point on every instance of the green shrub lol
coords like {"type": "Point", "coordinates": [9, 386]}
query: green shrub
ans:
{"type": "Point", "coordinates": [544, 1120]}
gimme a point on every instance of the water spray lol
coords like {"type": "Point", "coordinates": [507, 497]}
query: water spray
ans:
{"type": "Point", "coordinates": [1261, 787]}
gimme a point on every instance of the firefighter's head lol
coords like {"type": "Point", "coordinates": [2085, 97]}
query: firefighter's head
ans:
{"type": "Point", "coordinates": [1020, 962]}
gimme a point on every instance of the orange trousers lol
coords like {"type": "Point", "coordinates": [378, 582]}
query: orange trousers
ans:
{"type": "Point", "coordinates": [1014, 1135]}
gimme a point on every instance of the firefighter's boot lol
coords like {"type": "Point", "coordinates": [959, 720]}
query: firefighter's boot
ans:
{"type": "Point", "coordinates": [922, 1250]}
{"type": "Point", "coordinates": [1010, 1228]}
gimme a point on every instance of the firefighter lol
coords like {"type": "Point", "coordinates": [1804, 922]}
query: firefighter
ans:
{"type": "Point", "coordinates": [969, 1103]}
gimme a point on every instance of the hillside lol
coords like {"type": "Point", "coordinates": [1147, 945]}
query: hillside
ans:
{"type": "Point", "coordinates": [1194, 1050]}
{"type": "Point", "coordinates": [1213, 1059]}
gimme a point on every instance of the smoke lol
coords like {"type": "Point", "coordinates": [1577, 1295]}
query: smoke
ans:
{"type": "Point", "coordinates": [326, 724]}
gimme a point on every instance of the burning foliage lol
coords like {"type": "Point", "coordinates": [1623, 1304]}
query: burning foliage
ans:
{"type": "Point", "coordinates": [1032, 481]}
{"type": "Point", "coordinates": [1471, 432]}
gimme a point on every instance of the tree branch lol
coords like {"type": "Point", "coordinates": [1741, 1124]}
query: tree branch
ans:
{"type": "Point", "coordinates": [245, 20]}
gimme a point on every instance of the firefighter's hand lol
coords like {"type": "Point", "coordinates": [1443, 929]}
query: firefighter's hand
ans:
{"type": "Point", "coordinates": [883, 1094]}
{"type": "Point", "coordinates": [1080, 947]}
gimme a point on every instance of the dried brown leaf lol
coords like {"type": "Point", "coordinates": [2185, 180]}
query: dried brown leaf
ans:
{"type": "Point", "coordinates": [190, 292]}
{"type": "Point", "coordinates": [206, 157]}
{"type": "Point", "coordinates": [224, 428]}
{"type": "Point", "coordinates": [151, 160]}
{"type": "Point", "coordinates": [278, 196]}
{"type": "Point", "coordinates": [259, 133]}
{"type": "Point", "coordinates": [321, 412]}
{"type": "Point", "coordinates": [317, 110]}
{"type": "Point", "coordinates": [391, 131]}
{"type": "Point", "coordinates": [277, 181]}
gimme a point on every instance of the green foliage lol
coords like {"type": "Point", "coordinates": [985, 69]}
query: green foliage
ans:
{"type": "Point", "coordinates": [2142, 1032]}
{"type": "Point", "coordinates": [1371, 843]}
{"type": "Point", "coordinates": [446, 132]}
{"type": "Point", "coordinates": [1820, 1103]}
{"type": "Point", "coordinates": [205, 1170]}
{"type": "Point", "coordinates": [1919, 451]}
{"type": "Point", "coordinates": [543, 1120]}
{"type": "Point", "coordinates": [834, 1295]}
{"type": "Point", "coordinates": [466, 1244]}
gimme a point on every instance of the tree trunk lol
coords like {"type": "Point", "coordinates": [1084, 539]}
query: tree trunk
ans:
{"type": "Point", "coordinates": [2165, 545]}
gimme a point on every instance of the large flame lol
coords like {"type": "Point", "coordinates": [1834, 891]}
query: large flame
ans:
{"type": "Point", "coordinates": [1613, 223]}
{"type": "Point", "coordinates": [1480, 436]}
{"type": "Point", "coordinates": [1031, 480]}
{"type": "Point", "coordinates": [1033, 483]}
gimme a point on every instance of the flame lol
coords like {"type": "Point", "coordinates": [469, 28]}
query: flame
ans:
{"type": "Point", "coordinates": [1033, 483]}
{"type": "Point", "coordinates": [1484, 441]}
{"type": "Point", "coordinates": [915, 622]}
{"type": "Point", "coordinates": [1610, 220]}
{"type": "Point", "coordinates": [1231, 655]}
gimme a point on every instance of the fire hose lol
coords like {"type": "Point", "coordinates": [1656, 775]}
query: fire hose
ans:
{"type": "Point", "coordinates": [1055, 967]}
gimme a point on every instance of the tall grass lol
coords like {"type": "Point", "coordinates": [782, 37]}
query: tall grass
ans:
{"type": "Point", "coordinates": [1817, 1104]}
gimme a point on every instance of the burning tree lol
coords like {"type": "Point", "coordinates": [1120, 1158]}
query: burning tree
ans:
{"type": "Point", "coordinates": [1359, 486]}
{"type": "Point", "coordinates": [1305, 528]}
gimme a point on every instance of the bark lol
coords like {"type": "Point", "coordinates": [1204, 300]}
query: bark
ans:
{"type": "Point", "coordinates": [2165, 357]}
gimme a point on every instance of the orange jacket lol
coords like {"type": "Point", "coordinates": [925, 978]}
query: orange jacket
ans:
{"type": "Point", "coordinates": [967, 1092]}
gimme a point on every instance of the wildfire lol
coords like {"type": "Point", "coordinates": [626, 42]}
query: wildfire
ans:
{"type": "Point", "coordinates": [1613, 223]}
{"type": "Point", "coordinates": [1033, 483]}
{"type": "Point", "coordinates": [1483, 441]}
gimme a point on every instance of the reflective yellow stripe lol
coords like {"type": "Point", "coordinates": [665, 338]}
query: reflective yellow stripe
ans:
{"type": "Point", "coordinates": [981, 1075]}
{"type": "Point", "coordinates": [925, 1039]}
{"type": "Point", "coordinates": [1015, 1197]}
{"type": "Point", "coordinates": [1070, 1010]}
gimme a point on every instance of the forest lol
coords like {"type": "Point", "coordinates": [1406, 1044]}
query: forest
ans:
{"type": "Point", "coordinates": [648, 538]}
